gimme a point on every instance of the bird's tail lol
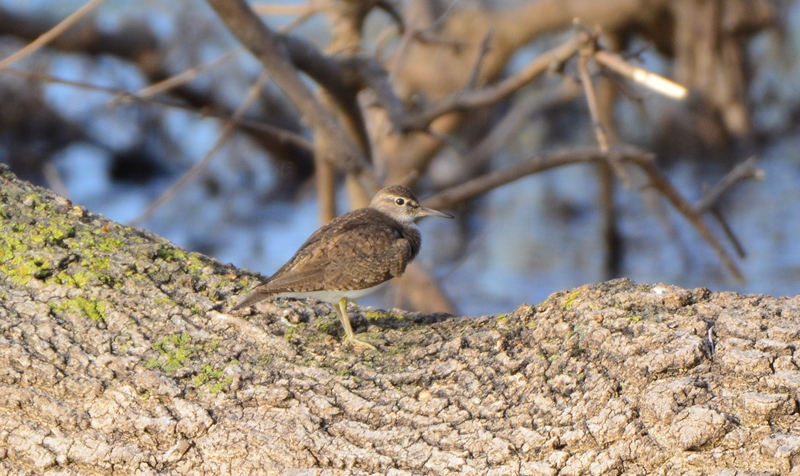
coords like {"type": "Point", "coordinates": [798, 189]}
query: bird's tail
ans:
{"type": "Point", "coordinates": [253, 298]}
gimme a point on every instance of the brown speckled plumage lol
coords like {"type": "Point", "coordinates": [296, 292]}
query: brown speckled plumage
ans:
{"type": "Point", "coordinates": [356, 251]}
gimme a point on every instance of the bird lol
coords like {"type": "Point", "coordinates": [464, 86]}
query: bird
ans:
{"type": "Point", "coordinates": [354, 255]}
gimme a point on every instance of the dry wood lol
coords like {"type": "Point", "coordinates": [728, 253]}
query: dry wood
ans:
{"type": "Point", "coordinates": [115, 360]}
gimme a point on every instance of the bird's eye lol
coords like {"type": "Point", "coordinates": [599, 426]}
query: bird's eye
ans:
{"type": "Point", "coordinates": [400, 201]}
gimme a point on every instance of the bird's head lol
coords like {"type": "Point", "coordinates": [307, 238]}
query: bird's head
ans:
{"type": "Point", "coordinates": [400, 203]}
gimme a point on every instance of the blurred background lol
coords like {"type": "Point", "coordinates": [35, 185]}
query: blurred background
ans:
{"type": "Point", "coordinates": [253, 196]}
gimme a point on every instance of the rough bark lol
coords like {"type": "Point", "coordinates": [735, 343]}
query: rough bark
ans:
{"type": "Point", "coordinates": [115, 357]}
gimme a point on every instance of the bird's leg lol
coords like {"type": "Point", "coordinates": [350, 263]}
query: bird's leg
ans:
{"type": "Point", "coordinates": [341, 311]}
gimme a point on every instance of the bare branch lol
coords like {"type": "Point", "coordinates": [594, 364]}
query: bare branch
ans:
{"type": "Point", "coordinates": [591, 101]}
{"type": "Point", "coordinates": [186, 76]}
{"type": "Point", "coordinates": [520, 112]}
{"type": "Point", "coordinates": [594, 113]}
{"type": "Point", "coordinates": [747, 170]}
{"type": "Point", "coordinates": [453, 196]}
{"type": "Point", "coordinates": [469, 99]}
{"type": "Point", "coordinates": [275, 133]}
{"type": "Point", "coordinates": [476, 68]}
{"type": "Point", "coordinates": [419, 35]}
{"type": "Point", "coordinates": [449, 198]}
{"type": "Point", "coordinates": [710, 202]}
{"type": "Point", "coordinates": [660, 182]}
{"type": "Point", "coordinates": [723, 223]}
{"type": "Point", "coordinates": [650, 80]}
{"type": "Point", "coordinates": [199, 167]}
{"type": "Point", "coordinates": [272, 52]}
{"type": "Point", "coordinates": [51, 34]}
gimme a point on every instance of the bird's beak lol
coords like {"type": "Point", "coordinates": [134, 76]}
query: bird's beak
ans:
{"type": "Point", "coordinates": [429, 212]}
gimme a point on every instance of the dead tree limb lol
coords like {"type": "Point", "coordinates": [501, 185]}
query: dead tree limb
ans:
{"type": "Point", "coordinates": [114, 359]}
{"type": "Point", "coordinates": [453, 196]}
{"type": "Point", "coordinates": [271, 51]}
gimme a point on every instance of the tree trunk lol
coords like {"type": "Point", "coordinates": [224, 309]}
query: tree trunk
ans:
{"type": "Point", "coordinates": [116, 357]}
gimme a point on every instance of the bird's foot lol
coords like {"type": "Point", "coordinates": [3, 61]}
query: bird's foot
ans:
{"type": "Point", "coordinates": [360, 342]}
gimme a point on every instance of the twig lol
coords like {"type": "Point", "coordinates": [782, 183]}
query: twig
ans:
{"type": "Point", "coordinates": [622, 86]}
{"type": "Point", "coordinates": [659, 208]}
{"type": "Point", "coordinates": [448, 139]}
{"type": "Point", "coordinates": [51, 34]}
{"type": "Point", "coordinates": [278, 134]}
{"type": "Point", "coordinates": [594, 113]}
{"type": "Point", "coordinates": [591, 101]}
{"type": "Point", "coordinates": [609, 231]}
{"type": "Point", "coordinates": [747, 170]}
{"type": "Point", "coordinates": [726, 228]}
{"type": "Point", "coordinates": [198, 168]}
{"type": "Point", "coordinates": [181, 78]}
{"type": "Point", "coordinates": [427, 38]}
{"type": "Point", "coordinates": [481, 97]}
{"type": "Point", "coordinates": [453, 196]}
{"type": "Point", "coordinates": [482, 51]}
{"type": "Point", "coordinates": [521, 110]}
{"type": "Point", "coordinates": [411, 35]}
{"type": "Point", "coordinates": [191, 73]}
{"type": "Point", "coordinates": [607, 190]}
{"type": "Point", "coordinates": [409, 179]}
{"type": "Point", "coordinates": [723, 223]}
{"type": "Point", "coordinates": [297, 21]}
{"type": "Point", "coordinates": [442, 18]}
{"type": "Point", "coordinates": [271, 50]}
{"type": "Point", "coordinates": [400, 55]}
{"type": "Point", "coordinates": [449, 198]}
{"type": "Point", "coordinates": [662, 184]}
{"type": "Point", "coordinates": [710, 201]}
{"type": "Point", "coordinates": [650, 80]}
{"type": "Point", "coordinates": [637, 54]}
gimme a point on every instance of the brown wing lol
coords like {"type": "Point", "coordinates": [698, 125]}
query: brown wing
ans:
{"type": "Point", "coordinates": [357, 250]}
{"type": "Point", "coordinates": [368, 260]}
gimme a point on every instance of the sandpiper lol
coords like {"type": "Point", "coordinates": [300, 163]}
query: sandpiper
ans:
{"type": "Point", "coordinates": [354, 255]}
